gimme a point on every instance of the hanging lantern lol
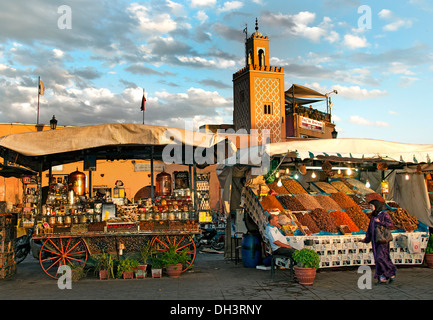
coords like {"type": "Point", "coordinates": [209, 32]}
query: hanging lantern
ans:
{"type": "Point", "coordinates": [382, 166]}
{"type": "Point", "coordinates": [326, 166]}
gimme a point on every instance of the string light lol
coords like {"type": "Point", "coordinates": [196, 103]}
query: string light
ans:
{"type": "Point", "coordinates": [287, 171]}
{"type": "Point", "coordinates": [367, 184]}
{"type": "Point", "coordinates": [279, 183]}
{"type": "Point", "coordinates": [349, 171]}
{"type": "Point", "coordinates": [313, 175]}
{"type": "Point", "coordinates": [407, 177]}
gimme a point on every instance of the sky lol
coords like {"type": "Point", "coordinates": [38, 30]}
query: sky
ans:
{"type": "Point", "coordinates": [96, 57]}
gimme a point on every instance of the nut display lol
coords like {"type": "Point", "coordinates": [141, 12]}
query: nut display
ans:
{"type": "Point", "coordinates": [308, 201]}
{"type": "Point", "coordinates": [305, 220]}
{"type": "Point", "coordinates": [293, 186]}
{"type": "Point", "coordinates": [327, 202]}
{"type": "Point", "coordinates": [403, 220]}
{"type": "Point", "coordinates": [359, 217]}
{"type": "Point", "coordinates": [343, 200]}
{"type": "Point", "coordinates": [270, 203]}
{"type": "Point", "coordinates": [291, 203]}
{"type": "Point", "coordinates": [323, 220]}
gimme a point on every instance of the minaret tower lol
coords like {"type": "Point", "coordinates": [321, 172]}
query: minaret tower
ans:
{"type": "Point", "coordinates": [258, 90]}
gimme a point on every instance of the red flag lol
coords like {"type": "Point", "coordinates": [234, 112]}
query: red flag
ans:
{"type": "Point", "coordinates": [143, 102]}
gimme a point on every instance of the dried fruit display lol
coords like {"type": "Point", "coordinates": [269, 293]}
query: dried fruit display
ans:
{"type": "Point", "coordinates": [360, 200]}
{"type": "Point", "coordinates": [343, 200]}
{"type": "Point", "coordinates": [374, 196]}
{"type": "Point", "coordinates": [340, 186]}
{"type": "Point", "coordinates": [291, 203]}
{"type": "Point", "coordinates": [403, 220]}
{"type": "Point", "coordinates": [293, 186]}
{"type": "Point", "coordinates": [393, 204]}
{"type": "Point", "coordinates": [308, 201]}
{"type": "Point", "coordinates": [277, 189]}
{"type": "Point", "coordinates": [341, 218]}
{"type": "Point", "coordinates": [327, 202]}
{"type": "Point", "coordinates": [326, 187]}
{"type": "Point", "coordinates": [270, 203]}
{"type": "Point", "coordinates": [359, 217]}
{"type": "Point", "coordinates": [305, 220]}
{"type": "Point", "coordinates": [324, 220]}
{"type": "Point", "coordinates": [360, 186]}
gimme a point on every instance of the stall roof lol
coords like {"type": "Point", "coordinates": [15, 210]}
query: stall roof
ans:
{"type": "Point", "coordinates": [299, 91]}
{"type": "Point", "coordinates": [41, 150]}
{"type": "Point", "coordinates": [346, 149]}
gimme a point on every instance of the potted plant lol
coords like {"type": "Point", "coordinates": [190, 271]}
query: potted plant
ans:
{"type": "Point", "coordinates": [104, 265]}
{"type": "Point", "coordinates": [145, 253]}
{"type": "Point", "coordinates": [156, 263]}
{"type": "Point", "coordinates": [173, 259]}
{"type": "Point", "coordinates": [126, 267]}
{"type": "Point", "coordinates": [307, 262]}
{"type": "Point", "coordinates": [428, 257]}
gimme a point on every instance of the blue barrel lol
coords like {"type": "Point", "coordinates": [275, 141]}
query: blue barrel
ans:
{"type": "Point", "coordinates": [251, 251]}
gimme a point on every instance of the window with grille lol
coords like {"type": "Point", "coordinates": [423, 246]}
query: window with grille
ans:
{"type": "Point", "coordinates": [267, 108]}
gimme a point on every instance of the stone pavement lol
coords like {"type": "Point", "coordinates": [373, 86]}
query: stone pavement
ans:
{"type": "Point", "coordinates": [215, 278]}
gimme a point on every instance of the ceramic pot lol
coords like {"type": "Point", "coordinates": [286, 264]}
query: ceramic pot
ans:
{"type": "Point", "coordinates": [428, 258]}
{"type": "Point", "coordinates": [305, 276]}
{"type": "Point", "coordinates": [174, 271]}
{"type": "Point", "coordinates": [103, 274]}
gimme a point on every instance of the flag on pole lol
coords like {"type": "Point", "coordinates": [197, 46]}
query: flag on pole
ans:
{"type": "Point", "coordinates": [143, 102]}
{"type": "Point", "coordinates": [41, 88]}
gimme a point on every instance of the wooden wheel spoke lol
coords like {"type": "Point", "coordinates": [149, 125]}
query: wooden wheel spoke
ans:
{"type": "Point", "coordinates": [53, 264]}
{"type": "Point", "coordinates": [53, 252]}
{"type": "Point", "coordinates": [79, 242]}
{"type": "Point", "coordinates": [51, 241]}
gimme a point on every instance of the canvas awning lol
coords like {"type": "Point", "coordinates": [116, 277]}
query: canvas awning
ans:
{"type": "Point", "coordinates": [346, 149]}
{"type": "Point", "coordinates": [299, 91]}
{"type": "Point", "coordinates": [41, 150]}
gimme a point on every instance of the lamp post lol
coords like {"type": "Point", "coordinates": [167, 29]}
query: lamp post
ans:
{"type": "Point", "coordinates": [334, 133]}
{"type": "Point", "coordinates": [53, 123]}
{"type": "Point", "coordinates": [327, 100]}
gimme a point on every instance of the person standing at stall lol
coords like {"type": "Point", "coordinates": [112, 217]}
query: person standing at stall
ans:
{"type": "Point", "coordinates": [385, 269]}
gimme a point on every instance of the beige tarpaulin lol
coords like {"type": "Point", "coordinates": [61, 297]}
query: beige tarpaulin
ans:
{"type": "Point", "coordinates": [343, 150]}
{"type": "Point", "coordinates": [80, 138]}
{"type": "Point", "coordinates": [299, 91]}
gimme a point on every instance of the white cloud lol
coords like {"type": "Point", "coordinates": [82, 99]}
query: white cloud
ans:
{"type": "Point", "coordinates": [354, 42]}
{"type": "Point", "coordinates": [149, 23]}
{"type": "Point", "coordinates": [399, 68]}
{"type": "Point", "coordinates": [358, 93]}
{"type": "Point", "coordinates": [407, 81]}
{"type": "Point", "coordinates": [230, 5]}
{"type": "Point", "coordinates": [201, 16]}
{"type": "Point", "coordinates": [202, 3]}
{"type": "Point", "coordinates": [396, 22]}
{"type": "Point", "coordinates": [361, 121]}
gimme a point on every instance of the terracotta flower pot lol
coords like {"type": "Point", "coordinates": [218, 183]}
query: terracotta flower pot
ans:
{"type": "Point", "coordinates": [174, 271]}
{"type": "Point", "coordinates": [305, 276]}
{"type": "Point", "coordinates": [103, 274]}
{"type": "Point", "coordinates": [128, 274]}
{"type": "Point", "coordinates": [428, 258]}
{"type": "Point", "coordinates": [156, 273]}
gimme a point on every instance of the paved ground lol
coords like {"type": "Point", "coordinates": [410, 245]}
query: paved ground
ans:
{"type": "Point", "coordinates": [214, 278]}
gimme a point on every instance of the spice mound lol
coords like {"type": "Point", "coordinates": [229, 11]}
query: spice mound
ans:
{"type": "Point", "coordinates": [343, 200]}
{"type": "Point", "coordinates": [277, 189]}
{"type": "Point", "coordinates": [342, 187]}
{"type": "Point", "coordinates": [359, 217]}
{"type": "Point", "coordinates": [341, 218]}
{"type": "Point", "coordinates": [324, 220]}
{"type": "Point", "coordinates": [293, 186]}
{"type": "Point", "coordinates": [308, 201]}
{"type": "Point", "coordinates": [305, 220]}
{"type": "Point", "coordinates": [291, 203]}
{"type": "Point", "coordinates": [327, 203]}
{"type": "Point", "coordinates": [270, 203]}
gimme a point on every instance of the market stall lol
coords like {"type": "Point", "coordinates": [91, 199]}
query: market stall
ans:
{"type": "Point", "coordinates": [321, 190]}
{"type": "Point", "coordinates": [72, 226]}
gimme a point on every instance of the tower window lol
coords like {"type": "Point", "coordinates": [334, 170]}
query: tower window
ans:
{"type": "Point", "coordinates": [261, 56]}
{"type": "Point", "coordinates": [267, 108]}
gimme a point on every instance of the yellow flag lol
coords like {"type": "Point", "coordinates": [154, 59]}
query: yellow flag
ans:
{"type": "Point", "coordinates": [41, 88]}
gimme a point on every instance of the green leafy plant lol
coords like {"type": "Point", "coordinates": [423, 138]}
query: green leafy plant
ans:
{"type": "Point", "coordinates": [104, 261]}
{"type": "Point", "coordinates": [306, 258]}
{"type": "Point", "coordinates": [145, 252]}
{"type": "Point", "coordinates": [429, 248]}
{"type": "Point", "coordinates": [174, 256]}
{"type": "Point", "coordinates": [127, 264]}
{"type": "Point", "coordinates": [156, 260]}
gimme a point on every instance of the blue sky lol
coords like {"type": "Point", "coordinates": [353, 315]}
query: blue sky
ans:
{"type": "Point", "coordinates": [378, 55]}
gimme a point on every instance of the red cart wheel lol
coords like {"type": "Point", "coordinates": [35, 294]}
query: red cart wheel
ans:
{"type": "Point", "coordinates": [163, 242]}
{"type": "Point", "coordinates": [56, 252]}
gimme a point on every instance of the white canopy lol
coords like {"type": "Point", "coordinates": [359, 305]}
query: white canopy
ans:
{"type": "Point", "coordinates": [343, 150]}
